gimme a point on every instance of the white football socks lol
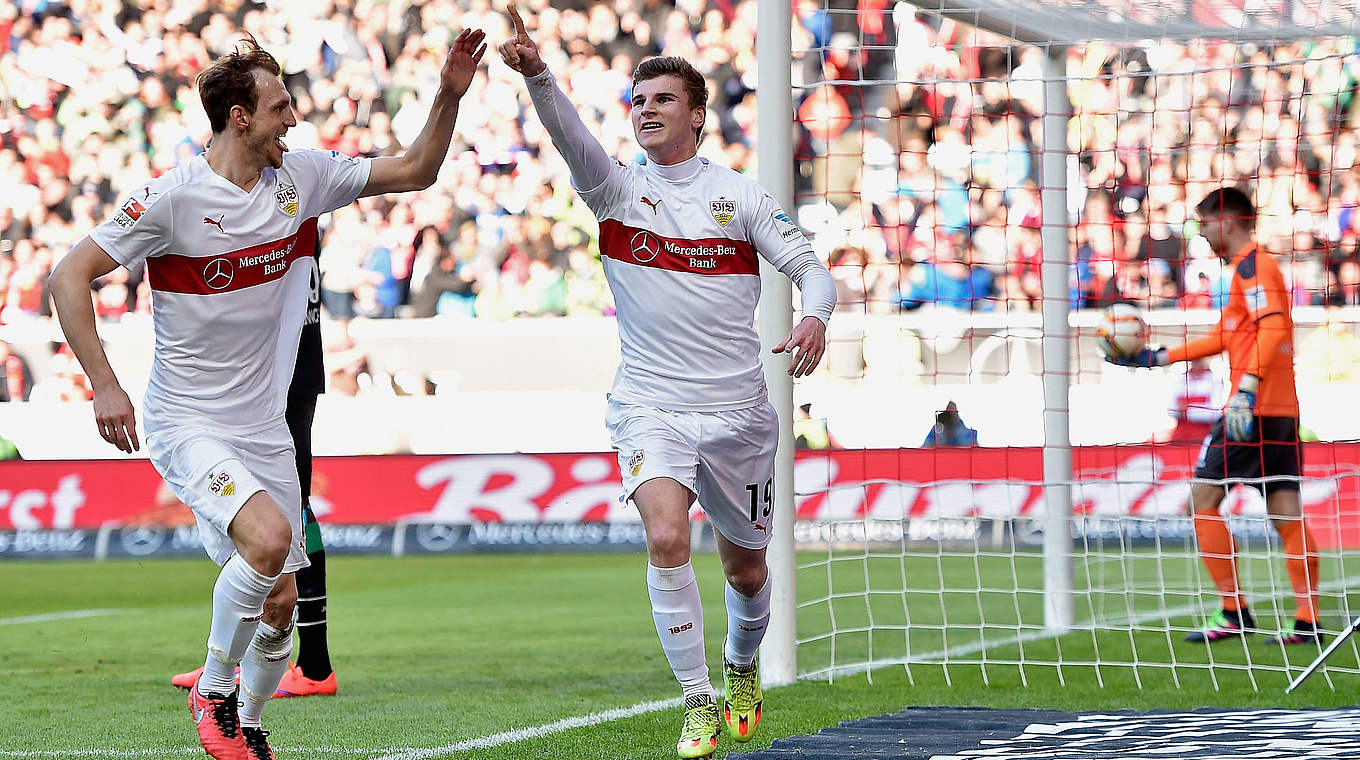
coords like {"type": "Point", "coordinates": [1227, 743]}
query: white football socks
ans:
{"type": "Point", "coordinates": [265, 663]}
{"type": "Point", "coordinates": [679, 620]}
{"type": "Point", "coordinates": [747, 619]}
{"type": "Point", "coordinates": [238, 603]}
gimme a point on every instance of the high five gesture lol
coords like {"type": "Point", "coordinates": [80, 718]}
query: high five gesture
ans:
{"type": "Point", "coordinates": [520, 52]}
{"type": "Point", "coordinates": [461, 63]}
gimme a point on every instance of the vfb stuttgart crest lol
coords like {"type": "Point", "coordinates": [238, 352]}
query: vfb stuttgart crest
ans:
{"type": "Point", "coordinates": [287, 196]}
{"type": "Point", "coordinates": [723, 210]}
{"type": "Point", "coordinates": [221, 484]}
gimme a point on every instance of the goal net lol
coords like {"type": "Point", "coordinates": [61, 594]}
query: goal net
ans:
{"type": "Point", "coordinates": [984, 177]}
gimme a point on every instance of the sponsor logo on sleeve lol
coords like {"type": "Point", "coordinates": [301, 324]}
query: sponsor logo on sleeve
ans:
{"type": "Point", "coordinates": [341, 158]}
{"type": "Point", "coordinates": [1256, 298]}
{"type": "Point", "coordinates": [784, 225]}
{"type": "Point", "coordinates": [723, 210]}
{"type": "Point", "coordinates": [129, 213]}
{"type": "Point", "coordinates": [287, 196]}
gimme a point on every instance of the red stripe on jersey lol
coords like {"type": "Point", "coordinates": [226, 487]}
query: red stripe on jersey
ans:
{"type": "Point", "coordinates": [635, 245]}
{"type": "Point", "coordinates": [248, 267]}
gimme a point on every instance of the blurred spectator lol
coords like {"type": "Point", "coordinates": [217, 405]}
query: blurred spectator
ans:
{"type": "Point", "coordinates": [950, 430]}
{"type": "Point", "coordinates": [448, 285]}
{"type": "Point", "coordinates": [17, 379]}
{"type": "Point", "coordinates": [347, 370]}
{"type": "Point", "coordinates": [811, 432]}
{"type": "Point", "coordinates": [1331, 352]}
{"type": "Point", "coordinates": [951, 279]}
{"type": "Point", "coordinates": [1345, 287]}
{"type": "Point", "coordinates": [67, 381]}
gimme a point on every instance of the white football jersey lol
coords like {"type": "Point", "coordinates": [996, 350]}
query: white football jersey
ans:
{"type": "Point", "coordinates": [680, 245]}
{"type": "Point", "coordinates": [230, 273]}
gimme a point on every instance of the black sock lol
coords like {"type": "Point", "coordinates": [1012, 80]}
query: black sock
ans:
{"type": "Point", "coordinates": [1305, 626]}
{"type": "Point", "coordinates": [312, 655]}
{"type": "Point", "coordinates": [1242, 617]}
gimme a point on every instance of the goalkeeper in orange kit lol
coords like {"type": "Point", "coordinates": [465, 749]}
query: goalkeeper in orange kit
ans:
{"type": "Point", "coordinates": [1257, 439]}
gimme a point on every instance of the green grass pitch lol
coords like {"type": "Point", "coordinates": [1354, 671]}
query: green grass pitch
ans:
{"type": "Point", "coordinates": [439, 650]}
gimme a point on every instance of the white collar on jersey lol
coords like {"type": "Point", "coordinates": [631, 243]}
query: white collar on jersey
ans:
{"type": "Point", "coordinates": [682, 172]}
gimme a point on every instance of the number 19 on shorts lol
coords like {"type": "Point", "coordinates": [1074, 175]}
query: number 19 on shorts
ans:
{"type": "Point", "coordinates": [760, 499]}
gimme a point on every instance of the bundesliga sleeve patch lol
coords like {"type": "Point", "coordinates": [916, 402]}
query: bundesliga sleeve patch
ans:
{"type": "Point", "coordinates": [787, 229]}
{"type": "Point", "coordinates": [1256, 299]}
{"type": "Point", "coordinates": [129, 213]}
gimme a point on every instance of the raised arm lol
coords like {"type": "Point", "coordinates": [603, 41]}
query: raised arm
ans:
{"type": "Point", "coordinates": [418, 167]}
{"type": "Point", "coordinates": [70, 284]}
{"type": "Point", "coordinates": [585, 157]}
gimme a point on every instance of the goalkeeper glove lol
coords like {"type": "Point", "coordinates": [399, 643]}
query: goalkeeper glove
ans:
{"type": "Point", "coordinates": [1148, 357]}
{"type": "Point", "coordinates": [1239, 417]}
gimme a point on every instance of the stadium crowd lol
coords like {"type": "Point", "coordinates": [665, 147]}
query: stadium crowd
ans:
{"type": "Point", "coordinates": [919, 192]}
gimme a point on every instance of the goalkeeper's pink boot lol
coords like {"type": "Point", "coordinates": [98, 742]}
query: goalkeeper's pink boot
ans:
{"type": "Point", "coordinates": [1223, 625]}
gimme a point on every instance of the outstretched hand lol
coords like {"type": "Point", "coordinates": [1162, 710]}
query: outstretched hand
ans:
{"type": "Point", "coordinates": [461, 63]}
{"type": "Point", "coordinates": [807, 343]}
{"type": "Point", "coordinates": [1147, 358]}
{"type": "Point", "coordinates": [520, 52]}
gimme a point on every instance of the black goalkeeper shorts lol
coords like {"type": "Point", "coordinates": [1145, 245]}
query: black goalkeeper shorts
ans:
{"type": "Point", "coordinates": [1273, 453]}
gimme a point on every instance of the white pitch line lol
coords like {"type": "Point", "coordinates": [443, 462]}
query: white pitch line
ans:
{"type": "Point", "coordinates": [51, 616]}
{"type": "Point", "coordinates": [391, 753]}
{"type": "Point", "coordinates": [182, 751]}
{"type": "Point", "coordinates": [521, 734]}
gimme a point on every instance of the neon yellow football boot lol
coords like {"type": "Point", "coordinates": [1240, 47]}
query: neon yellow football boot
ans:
{"type": "Point", "coordinates": [741, 703]}
{"type": "Point", "coordinates": [699, 735]}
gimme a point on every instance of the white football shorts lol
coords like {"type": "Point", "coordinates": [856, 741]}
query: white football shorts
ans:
{"type": "Point", "coordinates": [725, 458]}
{"type": "Point", "coordinates": [215, 473]}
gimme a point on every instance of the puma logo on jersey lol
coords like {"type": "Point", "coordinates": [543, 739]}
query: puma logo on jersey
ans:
{"type": "Point", "coordinates": [216, 223]}
{"type": "Point", "coordinates": [652, 203]}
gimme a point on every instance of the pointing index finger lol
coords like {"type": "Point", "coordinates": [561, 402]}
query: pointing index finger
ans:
{"type": "Point", "coordinates": [518, 22]}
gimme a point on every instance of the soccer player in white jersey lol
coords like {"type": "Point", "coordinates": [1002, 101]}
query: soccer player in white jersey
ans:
{"type": "Point", "coordinates": [688, 412]}
{"type": "Point", "coordinates": [228, 240]}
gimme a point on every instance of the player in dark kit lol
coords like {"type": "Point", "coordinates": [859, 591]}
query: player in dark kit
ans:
{"type": "Point", "coordinates": [312, 674]}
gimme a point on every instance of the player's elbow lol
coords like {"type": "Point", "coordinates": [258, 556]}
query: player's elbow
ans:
{"type": "Point", "coordinates": [425, 181]}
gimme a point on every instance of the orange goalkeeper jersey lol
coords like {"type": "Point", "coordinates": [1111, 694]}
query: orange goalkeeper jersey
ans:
{"type": "Point", "coordinates": [1257, 331]}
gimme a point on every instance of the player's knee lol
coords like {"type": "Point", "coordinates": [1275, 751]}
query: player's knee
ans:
{"type": "Point", "coordinates": [669, 545]}
{"type": "Point", "coordinates": [266, 552]}
{"type": "Point", "coordinates": [280, 604]}
{"type": "Point", "coordinates": [746, 579]}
